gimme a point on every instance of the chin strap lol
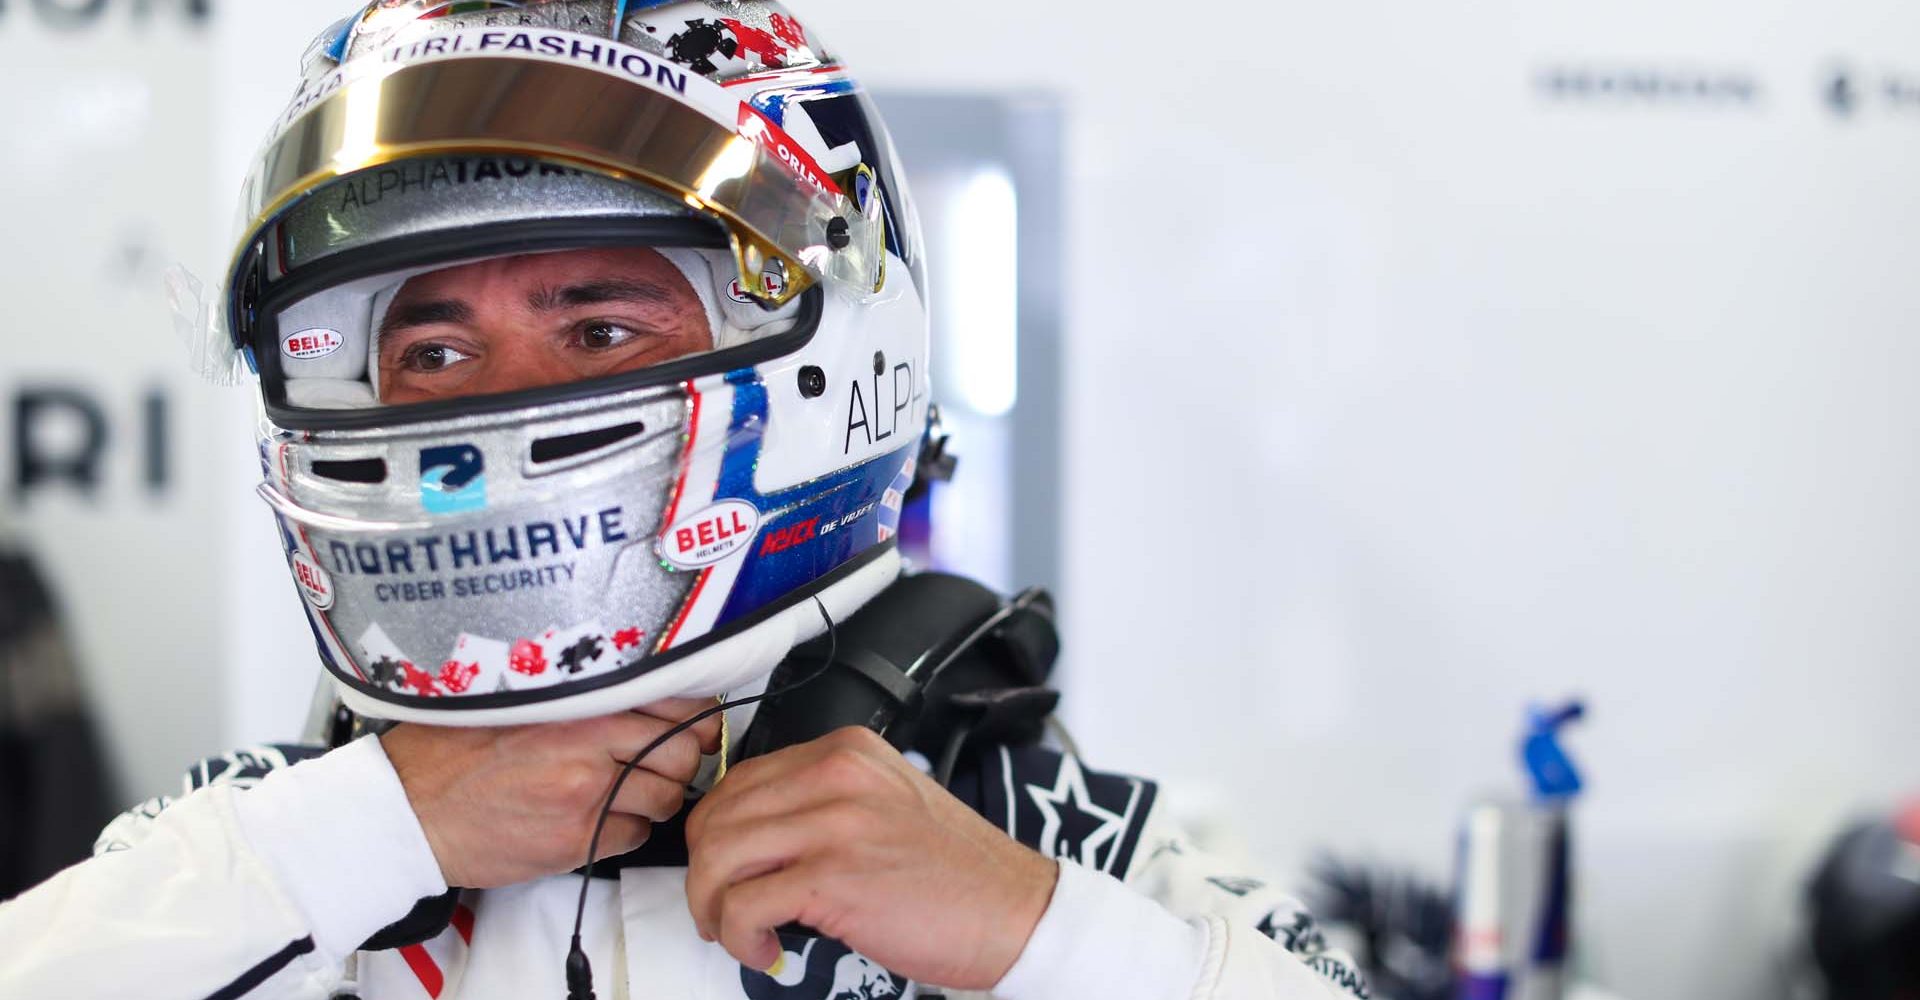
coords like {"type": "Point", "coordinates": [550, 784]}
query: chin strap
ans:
{"type": "Point", "coordinates": [726, 743]}
{"type": "Point", "coordinates": [579, 970]}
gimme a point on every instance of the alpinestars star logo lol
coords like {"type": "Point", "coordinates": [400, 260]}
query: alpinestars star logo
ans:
{"type": "Point", "coordinates": [1047, 801]}
{"type": "Point", "coordinates": [1076, 827]}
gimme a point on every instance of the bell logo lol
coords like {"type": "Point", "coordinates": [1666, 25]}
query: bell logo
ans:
{"type": "Point", "coordinates": [711, 535]}
{"type": "Point", "coordinates": [310, 344]}
{"type": "Point", "coordinates": [314, 582]}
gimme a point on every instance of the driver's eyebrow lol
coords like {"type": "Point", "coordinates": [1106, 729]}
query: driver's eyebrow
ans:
{"type": "Point", "coordinates": [412, 314]}
{"type": "Point", "coordinates": [592, 293]}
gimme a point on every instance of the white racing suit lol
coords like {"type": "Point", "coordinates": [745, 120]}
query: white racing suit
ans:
{"type": "Point", "coordinates": [271, 880]}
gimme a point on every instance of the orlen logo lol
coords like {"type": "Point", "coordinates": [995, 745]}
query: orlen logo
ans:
{"type": "Point", "coordinates": [711, 535]}
{"type": "Point", "coordinates": [769, 136]}
{"type": "Point", "coordinates": [800, 163]}
{"type": "Point", "coordinates": [314, 581]}
{"type": "Point", "coordinates": [310, 344]}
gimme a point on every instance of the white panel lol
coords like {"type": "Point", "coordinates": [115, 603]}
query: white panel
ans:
{"type": "Point", "coordinates": [104, 114]}
{"type": "Point", "coordinates": [978, 257]}
{"type": "Point", "coordinates": [1401, 392]}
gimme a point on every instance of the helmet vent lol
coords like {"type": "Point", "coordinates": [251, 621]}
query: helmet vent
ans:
{"type": "Point", "coordinates": [360, 470]}
{"type": "Point", "coordinates": [554, 449]}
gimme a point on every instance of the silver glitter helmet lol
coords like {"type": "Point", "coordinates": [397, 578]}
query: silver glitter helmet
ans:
{"type": "Point", "coordinates": [566, 547]}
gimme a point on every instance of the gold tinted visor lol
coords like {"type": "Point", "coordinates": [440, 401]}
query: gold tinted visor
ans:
{"type": "Point", "coordinates": [776, 202]}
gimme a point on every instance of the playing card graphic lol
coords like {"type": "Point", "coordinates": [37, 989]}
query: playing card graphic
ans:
{"type": "Point", "coordinates": [458, 677]}
{"type": "Point", "coordinates": [555, 655]}
{"type": "Point", "coordinates": [479, 665]}
{"type": "Point", "coordinates": [580, 651]}
{"type": "Point", "coordinates": [390, 667]}
{"type": "Point", "coordinates": [374, 645]}
{"type": "Point", "coordinates": [528, 658]}
{"type": "Point", "coordinates": [392, 670]}
{"type": "Point", "coordinates": [725, 47]}
{"type": "Point", "coordinates": [475, 665]}
{"type": "Point", "coordinates": [628, 642]}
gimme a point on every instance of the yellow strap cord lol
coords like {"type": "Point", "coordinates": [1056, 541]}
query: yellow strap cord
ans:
{"type": "Point", "coordinates": [726, 739]}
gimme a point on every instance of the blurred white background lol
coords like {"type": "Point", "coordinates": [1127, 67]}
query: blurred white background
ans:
{"type": "Point", "coordinates": [1421, 360]}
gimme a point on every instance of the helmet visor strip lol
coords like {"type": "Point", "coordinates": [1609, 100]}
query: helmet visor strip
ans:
{"type": "Point", "coordinates": [675, 132]}
{"type": "Point", "coordinates": [505, 323]}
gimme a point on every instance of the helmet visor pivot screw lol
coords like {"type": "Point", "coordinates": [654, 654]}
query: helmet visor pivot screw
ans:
{"type": "Point", "coordinates": [813, 382]}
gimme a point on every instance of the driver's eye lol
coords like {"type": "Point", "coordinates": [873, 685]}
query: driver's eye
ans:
{"type": "Point", "coordinates": [601, 334]}
{"type": "Point", "coordinates": [431, 357]}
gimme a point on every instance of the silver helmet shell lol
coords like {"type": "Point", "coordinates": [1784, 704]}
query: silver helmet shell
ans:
{"type": "Point", "coordinates": [575, 549]}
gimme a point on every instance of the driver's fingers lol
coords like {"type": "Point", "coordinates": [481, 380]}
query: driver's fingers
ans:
{"type": "Point", "coordinates": [651, 795]}
{"type": "Point", "coordinates": [622, 834]}
{"type": "Point", "coordinates": [678, 710]}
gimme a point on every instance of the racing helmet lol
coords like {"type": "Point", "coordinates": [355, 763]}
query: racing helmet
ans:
{"type": "Point", "coordinates": [697, 200]}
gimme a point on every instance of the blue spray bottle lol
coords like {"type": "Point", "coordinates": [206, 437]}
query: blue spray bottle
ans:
{"type": "Point", "coordinates": [1512, 897]}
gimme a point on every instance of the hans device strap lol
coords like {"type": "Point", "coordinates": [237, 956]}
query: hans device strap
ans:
{"type": "Point", "coordinates": [933, 659]}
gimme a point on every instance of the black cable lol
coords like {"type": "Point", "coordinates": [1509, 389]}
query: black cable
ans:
{"type": "Point", "coordinates": [950, 757]}
{"type": "Point", "coordinates": [579, 970]}
{"type": "Point", "coordinates": [1021, 602]}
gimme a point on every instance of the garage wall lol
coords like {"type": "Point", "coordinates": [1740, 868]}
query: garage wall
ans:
{"type": "Point", "coordinates": [105, 441]}
{"type": "Point", "coordinates": [1427, 360]}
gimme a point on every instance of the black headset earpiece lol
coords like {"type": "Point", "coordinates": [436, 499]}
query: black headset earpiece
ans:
{"type": "Point", "coordinates": [931, 655]}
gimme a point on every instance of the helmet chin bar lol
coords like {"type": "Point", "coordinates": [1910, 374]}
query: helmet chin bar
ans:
{"type": "Point", "coordinates": [702, 671]}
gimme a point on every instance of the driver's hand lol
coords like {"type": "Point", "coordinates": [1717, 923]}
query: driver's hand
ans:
{"type": "Point", "coordinates": [505, 805]}
{"type": "Point", "coordinates": [844, 836]}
